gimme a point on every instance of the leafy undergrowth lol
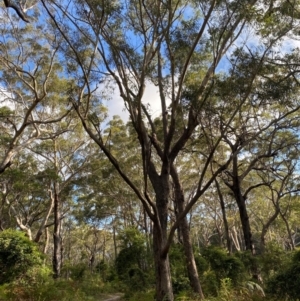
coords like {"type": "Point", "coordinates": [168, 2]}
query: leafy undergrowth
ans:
{"type": "Point", "coordinates": [88, 289]}
{"type": "Point", "coordinates": [250, 291]}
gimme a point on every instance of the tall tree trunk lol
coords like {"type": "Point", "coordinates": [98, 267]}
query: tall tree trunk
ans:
{"type": "Point", "coordinates": [190, 259]}
{"type": "Point", "coordinates": [164, 291]}
{"type": "Point", "coordinates": [161, 185]}
{"type": "Point", "coordinates": [184, 231]}
{"type": "Point", "coordinates": [241, 202]}
{"type": "Point", "coordinates": [57, 241]}
{"type": "Point", "coordinates": [255, 271]}
{"type": "Point", "coordinates": [244, 217]}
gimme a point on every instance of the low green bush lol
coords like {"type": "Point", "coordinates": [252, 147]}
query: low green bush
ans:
{"type": "Point", "coordinates": [89, 288]}
{"type": "Point", "coordinates": [180, 280]}
{"type": "Point", "coordinates": [286, 283]}
{"type": "Point", "coordinates": [133, 264]}
{"type": "Point", "coordinates": [273, 260]}
{"type": "Point", "coordinates": [17, 255]}
{"type": "Point", "coordinates": [224, 265]}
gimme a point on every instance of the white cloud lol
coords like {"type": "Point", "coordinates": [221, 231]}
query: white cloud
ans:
{"type": "Point", "coordinates": [151, 100]}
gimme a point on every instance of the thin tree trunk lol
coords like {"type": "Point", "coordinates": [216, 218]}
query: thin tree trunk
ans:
{"type": "Point", "coordinates": [265, 229]}
{"type": "Point", "coordinates": [115, 241]}
{"type": "Point", "coordinates": [245, 222]}
{"type": "Point", "coordinates": [226, 227]}
{"type": "Point", "coordinates": [291, 240]}
{"type": "Point", "coordinates": [57, 241]}
{"type": "Point", "coordinates": [241, 202]}
{"type": "Point", "coordinates": [46, 245]}
{"type": "Point", "coordinates": [45, 220]}
{"type": "Point", "coordinates": [104, 248]}
{"type": "Point", "coordinates": [244, 217]}
{"type": "Point", "coordinates": [235, 238]}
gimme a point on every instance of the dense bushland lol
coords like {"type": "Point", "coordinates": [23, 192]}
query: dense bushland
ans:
{"type": "Point", "coordinates": [25, 275]}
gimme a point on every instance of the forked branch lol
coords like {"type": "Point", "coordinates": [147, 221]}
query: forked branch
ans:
{"type": "Point", "coordinates": [17, 9]}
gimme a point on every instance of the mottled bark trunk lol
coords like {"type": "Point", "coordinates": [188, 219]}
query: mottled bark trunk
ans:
{"type": "Point", "coordinates": [57, 241]}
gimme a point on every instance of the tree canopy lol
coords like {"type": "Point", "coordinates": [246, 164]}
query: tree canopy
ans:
{"type": "Point", "coordinates": [216, 164]}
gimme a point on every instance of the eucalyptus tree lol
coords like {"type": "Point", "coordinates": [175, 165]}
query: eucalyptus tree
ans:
{"type": "Point", "coordinates": [29, 85]}
{"type": "Point", "coordinates": [63, 156]}
{"type": "Point", "coordinates": [102, 193]}
{"type": "Point", "coordinates": [25, 197]}
{"type": "Point", "coordinates": [257, 136]}
{"type": "Point", "coordinates": [282, 182]}
{"type": "Point", "coordinates": [178, 46]}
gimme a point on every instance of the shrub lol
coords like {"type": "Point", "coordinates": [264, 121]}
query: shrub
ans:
{"type": "Point", "coordinates": [273, 260]}
{"type": "Point", "coordinates": [75, 272]}
{"type": "Point", "coordinates": [17, 255]}
{"type": "Point", "coordinates": [286, 284]}
{"type": "Point", "coordinates": [133, 265]}
{"type": "Point", "coordinates": [179, 274]}
{"type": "Point", "coordinates": [224, 265]}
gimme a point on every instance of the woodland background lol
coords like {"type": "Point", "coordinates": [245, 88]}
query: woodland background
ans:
{"type": "Point", "coordinates": [192, 192]}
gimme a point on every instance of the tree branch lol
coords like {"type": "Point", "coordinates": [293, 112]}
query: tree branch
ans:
{"type": "Point", "coordinates": [17, 9]}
